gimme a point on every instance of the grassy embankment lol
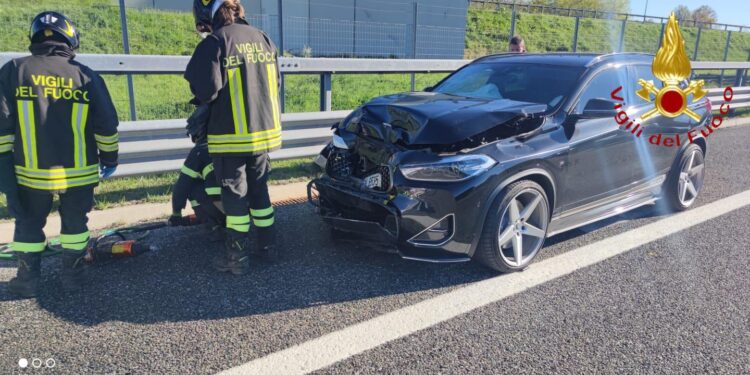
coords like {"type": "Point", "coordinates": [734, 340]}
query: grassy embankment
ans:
{"type": "Point", "coordinates": [170, 33]}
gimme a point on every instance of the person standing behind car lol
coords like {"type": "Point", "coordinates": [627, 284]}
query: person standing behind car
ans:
{"type": "Point", "coordinates": [58, 121]}
{"type": "Point", "coordinates": [516, 45]}
{"type": "Point", "coordinates": [235, 71]}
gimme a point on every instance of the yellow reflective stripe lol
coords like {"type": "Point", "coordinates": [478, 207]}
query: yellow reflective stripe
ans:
{"type": "Point", "coordinates": [74, 241]}
{"type": "Point", "coordinates": [107, 143]}
{"type": "Point", "coordinates": [28, 247]}
{"type": "Point", "coordinates": [114, 138]}
{"type": "Point", "coordinates": [107, 148]}
{"type": "Point", "coordinates": [57, 184]}
{"type": "Point", "coordinates": [261, 213]}
{"type": "Point", "coordinates": [194, 204]}
{"type": "Point", "coordinates": [57, 173]}
{"type": "Point", "coordinates": [58, 178]}
{"type": "Point", "coordinates": [6, 142]}
{"type": "Point", "coordinates": [234, 76]}
{"type": "Point", "coordinates": [249, 138]}
{"type": "Point", "coordinates": [239, 148]}
{"type": "Point", "coordinates": [213, 191]}
{"type": "Point", "coordinates": [28, 132]}
{"type": "Point", "coordinates": [263, 223]}
{"type": "Point", "coordinates": [239, 223]}
{"type": "Point", "coordinates": [273, 87]}
{"type": "Point", "coordinates": [78, 121]}
{"type": "Point", "coordinates": [187, 171]}
{"type": "Point", "coordinates": [208, 169]}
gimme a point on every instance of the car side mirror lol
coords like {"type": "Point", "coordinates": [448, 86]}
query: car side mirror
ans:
{"type": "Point", "coordinates": [428, 89]}
{"type": "Point", "coordinates": [598, 108]}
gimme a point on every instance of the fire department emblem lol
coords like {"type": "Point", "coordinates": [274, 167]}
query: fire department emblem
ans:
{"type": "Point", "coordinates": [671, 65]}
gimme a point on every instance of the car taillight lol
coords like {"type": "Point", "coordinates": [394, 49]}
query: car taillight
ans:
{"type": "Point", "coordinates": [708, 105]}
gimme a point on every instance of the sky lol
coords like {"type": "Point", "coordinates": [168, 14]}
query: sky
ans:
{"type": "Point", "coordinates": [733, 12]}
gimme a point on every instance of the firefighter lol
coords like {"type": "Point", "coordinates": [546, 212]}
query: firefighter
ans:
{"type": "Point", "coordinates": [235, 70]}
{"type": "Point", "coordinates": [58, 121]}
{"type": "Point", "coordinates": [197, 182]}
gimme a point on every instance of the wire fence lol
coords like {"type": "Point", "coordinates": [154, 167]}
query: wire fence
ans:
{"type": "Point", "coordinates": [549, 29]}
{"type": "Point", "coordinates": [368, 28]}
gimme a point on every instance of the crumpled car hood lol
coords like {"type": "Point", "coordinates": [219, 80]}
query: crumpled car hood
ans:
{"type": "Point", "coordinates": [424, 118]}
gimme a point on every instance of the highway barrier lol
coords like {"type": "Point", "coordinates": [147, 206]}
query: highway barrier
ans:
{"type": "Point", "coordinates": [161, 145]}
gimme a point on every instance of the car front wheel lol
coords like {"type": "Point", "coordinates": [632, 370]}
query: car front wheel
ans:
{"type": "Point", "coordinates": [515, 228]}
{"type": "Point", "coordinates": [685, 180]}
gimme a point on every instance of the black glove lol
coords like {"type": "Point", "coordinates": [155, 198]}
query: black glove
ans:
{"type": "Point", "coordinates": [197, 123]}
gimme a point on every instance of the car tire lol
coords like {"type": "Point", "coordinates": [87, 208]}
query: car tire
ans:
{"type": "Point", "coordinates": [685, 180]}
{"type": "Point", "coordinates": [509, 228]}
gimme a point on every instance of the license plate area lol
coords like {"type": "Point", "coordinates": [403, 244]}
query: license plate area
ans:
{"type": "Point", "coordinates": [374, 181]}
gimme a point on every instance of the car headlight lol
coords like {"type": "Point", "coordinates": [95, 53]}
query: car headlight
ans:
{"type": "Point", "coordinates": [339, 142]}
{"type": "Point", "coordinates": [452, 168]}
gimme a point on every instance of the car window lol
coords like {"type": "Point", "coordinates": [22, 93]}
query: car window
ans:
{"type": "Point", "coordinates": [602, 85]}
{"type": "Point", "coordinates": [644, 72]}
{"type": "Point", "coordinates": [532, 83]}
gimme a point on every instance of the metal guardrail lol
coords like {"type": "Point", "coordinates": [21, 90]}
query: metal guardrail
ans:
{"type": "Point", "coordinates": [161, 145]}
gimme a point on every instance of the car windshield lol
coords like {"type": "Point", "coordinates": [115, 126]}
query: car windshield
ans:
{"type": "Point", "coordinates": [533, 83]}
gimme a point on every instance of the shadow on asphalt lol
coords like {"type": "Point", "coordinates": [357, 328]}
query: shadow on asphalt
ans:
{"type": "Point", "coordinates": [176, 283]}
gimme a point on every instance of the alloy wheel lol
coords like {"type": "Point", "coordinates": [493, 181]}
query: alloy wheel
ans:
{"type": "Point", "coordinates": [523, 227]}
{"type": "Point", "coordinates": [691, 179]}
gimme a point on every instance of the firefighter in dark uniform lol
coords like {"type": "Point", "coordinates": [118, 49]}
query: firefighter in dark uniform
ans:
{"type": "Point", "coordinates": [58, 121]}
{"type": "Point", "coordinates": [235, 71]}
{"type": "Point", "coordinates": [197, 182]}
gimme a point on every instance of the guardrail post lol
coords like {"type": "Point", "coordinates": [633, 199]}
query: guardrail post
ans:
{"type": "Point", "coordinates": [325, 92]}
{"type": "Point", "coordinates": [513, 22]}
{"type": "Point", "coordinates": [575, 34]}
{"type": "Point", "coordinates": [281, 27]}
{"type": "Point", "coordinates": [622, 36]}
{"type": "Point", "coordinates": [661, 35]}
{"type": "Point", "coordinates": [697, 44]}
{"type": "Point", "coordinates": [126, 48]}
{"type": "Point", "coordinates": [414, 45]}
{"type": "Point", "coordinates": [726, 55]}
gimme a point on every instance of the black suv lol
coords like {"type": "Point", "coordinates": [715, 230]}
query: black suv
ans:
{"type": "Point", "coordinates": [504, 152]}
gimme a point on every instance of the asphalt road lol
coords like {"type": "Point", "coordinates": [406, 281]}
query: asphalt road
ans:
{"type": "Point", "coordinates": [680, 304]}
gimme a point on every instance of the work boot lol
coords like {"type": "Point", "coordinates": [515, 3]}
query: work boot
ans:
{"type": "Point", "coordinates": [266, 243]}
{"type": "Point", "coordinates": [72, 270]}
{"type": "Point", "coordinates": [26, 282]}
{"type": "Point", "coordinates": [235, 257]}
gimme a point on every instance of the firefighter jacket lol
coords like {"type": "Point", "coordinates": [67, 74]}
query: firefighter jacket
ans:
{"type": "Point", "coordinates": [235, 69]}
{"type": "Point", "coordinates": [57, 118]}
{"type": "Point", "coordinates": [197, 170]}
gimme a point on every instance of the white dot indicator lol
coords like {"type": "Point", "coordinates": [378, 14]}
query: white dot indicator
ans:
{"type": "Point", "coordinates": [36, 362]}
{"type": "Point", "coordinates": [23, 363]}
{"type": "Point", "coordinates": [50, 363]}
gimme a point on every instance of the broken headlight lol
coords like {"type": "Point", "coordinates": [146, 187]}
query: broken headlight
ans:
{"type": "Point", "coordinates": [452, 168]}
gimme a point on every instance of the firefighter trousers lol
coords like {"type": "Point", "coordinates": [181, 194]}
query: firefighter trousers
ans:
{"type": "Point", "coordinates": [244, 192]}
{"type": "Point", "coordinates": [31, 217]}
{"type": "Point", "coordinates": [204, 207]}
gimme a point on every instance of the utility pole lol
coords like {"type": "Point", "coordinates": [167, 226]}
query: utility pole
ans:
{"type": "Point", "coordinates": [645, 10]}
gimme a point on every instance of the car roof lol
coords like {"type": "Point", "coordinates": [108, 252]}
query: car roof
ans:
{"type": "Point", "coordinates": [585, 60]}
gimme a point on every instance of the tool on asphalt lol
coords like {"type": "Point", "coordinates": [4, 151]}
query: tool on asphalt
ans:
{"type": "Point", "coordinates": [114, 243]}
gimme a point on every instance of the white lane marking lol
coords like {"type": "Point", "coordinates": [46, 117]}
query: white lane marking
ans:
{"type": "Point", "coordinates": [336, 346]}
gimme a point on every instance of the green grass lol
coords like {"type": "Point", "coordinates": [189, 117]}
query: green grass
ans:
{"type": "Point", "coordinates": [157, 188]}
{"type": "Point", "coordinates": [488, 28]}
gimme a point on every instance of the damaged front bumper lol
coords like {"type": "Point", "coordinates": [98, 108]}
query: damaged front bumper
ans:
{"type": "Point", "coordinates": [417, 226]}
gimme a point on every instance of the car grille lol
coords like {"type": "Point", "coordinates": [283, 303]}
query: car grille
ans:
{"type": "Point", "coordinates": [342, 165]}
